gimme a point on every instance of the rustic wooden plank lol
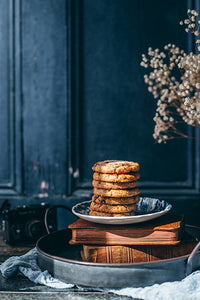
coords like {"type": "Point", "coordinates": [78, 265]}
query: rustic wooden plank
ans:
{"type": "Point", "coordinates": [44, 43]}
{"type": "Point", "coordinates": [6, 250]}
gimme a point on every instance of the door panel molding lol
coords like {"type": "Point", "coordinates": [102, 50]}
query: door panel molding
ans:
{"type": "Point", "coordinates": [13, 184]}
{"type": "Point", "coordinates": [189, 185]}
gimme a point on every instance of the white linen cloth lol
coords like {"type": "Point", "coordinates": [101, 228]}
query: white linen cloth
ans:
{"type": "Point", "coordinates": [186, 289]}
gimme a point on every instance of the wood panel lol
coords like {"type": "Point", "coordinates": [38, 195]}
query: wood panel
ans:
{"type": "Point", "coordinates": [10, 101]}
{"type": "Point", "coordinates": [44, 71]}
{"type": "Point", "coordinates": [72, 93]}
{"type": "Point", "coordinates": [116, 110]}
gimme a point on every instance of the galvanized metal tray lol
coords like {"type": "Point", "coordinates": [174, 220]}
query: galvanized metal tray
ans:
{"type": "Point", "coordinates": [64, 262]}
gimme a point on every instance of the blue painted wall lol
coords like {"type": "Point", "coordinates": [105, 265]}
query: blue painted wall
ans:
{"type": "Point", "coordinates": [72, 93]}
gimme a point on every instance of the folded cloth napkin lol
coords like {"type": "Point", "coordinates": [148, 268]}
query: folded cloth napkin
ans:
{"type": "Point", "coordinates": [186, 289]}
{"type": "Point", "coordinates": [27, 266]}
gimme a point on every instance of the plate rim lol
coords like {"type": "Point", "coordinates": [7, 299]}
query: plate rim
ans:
{"type": "Point", "coordinates": [167, 209]}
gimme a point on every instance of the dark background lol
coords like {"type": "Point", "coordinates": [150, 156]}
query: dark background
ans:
{"type": "Point", "coordinates": [72, 93]}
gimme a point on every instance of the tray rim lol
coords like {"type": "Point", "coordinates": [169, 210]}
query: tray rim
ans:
{"type": "Point", "coordinates": [112, 265]}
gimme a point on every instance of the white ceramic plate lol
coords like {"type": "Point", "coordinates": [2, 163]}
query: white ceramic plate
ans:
{"type": "Point", "coordinates": [148, 209]}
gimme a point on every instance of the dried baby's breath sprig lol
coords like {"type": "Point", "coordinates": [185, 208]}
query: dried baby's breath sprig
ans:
{"type": "Point", "coordinates": [178, 97]}
{"type": "Point", "coordinates": [192, 24]}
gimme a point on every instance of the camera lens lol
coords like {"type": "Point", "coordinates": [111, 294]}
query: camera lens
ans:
{"type": "Point", "coordinates": [34, 229]}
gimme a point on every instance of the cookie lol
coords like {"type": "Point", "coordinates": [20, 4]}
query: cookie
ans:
{"type": "Point", "coordinates": [132, 176]}
{"type": "Point", "coordinates": [113, 209]}
{"type": "Point", "coordinates": [116, 166]}
{"type": "Point", "coordinates": [114, 185]}
{"type": "Point", "coordinates": [115, 200]}
{"type": "Point", "coordinates": [103, 214]}
{"type": "Point", "coordinates": [116, 193]}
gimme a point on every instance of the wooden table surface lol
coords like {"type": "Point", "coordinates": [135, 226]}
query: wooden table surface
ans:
{"type": "Point", "coordinates": [22, 288]}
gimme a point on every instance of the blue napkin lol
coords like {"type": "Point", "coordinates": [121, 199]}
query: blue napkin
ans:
{"type": "Point", "coordinates": [27, 266]}
{"type": "Point", "coordinates": [186, 289]}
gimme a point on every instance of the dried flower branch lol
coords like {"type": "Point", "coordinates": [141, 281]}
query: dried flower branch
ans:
{"type": "Point", "coordinates": [178, 95]}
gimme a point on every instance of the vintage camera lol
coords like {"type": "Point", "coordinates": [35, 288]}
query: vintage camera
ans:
{"type": "Point", "coordinates": [26, 224]}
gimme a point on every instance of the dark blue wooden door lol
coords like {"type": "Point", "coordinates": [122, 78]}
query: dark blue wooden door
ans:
{"type": "Point", "coordinates": [72, 93]}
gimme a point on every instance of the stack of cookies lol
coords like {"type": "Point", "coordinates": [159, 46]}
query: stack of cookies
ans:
{"type": "Point", "coordinates": [115, 188]}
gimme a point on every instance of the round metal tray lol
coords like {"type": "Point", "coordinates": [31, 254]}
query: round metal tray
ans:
{"type": "Point", "coordinates": [64, 262]}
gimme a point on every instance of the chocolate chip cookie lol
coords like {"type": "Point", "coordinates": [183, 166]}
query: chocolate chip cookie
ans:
{"type": "Point", "coordinates": [113, 209]}
{"type": "Point", "coordinates": [129, 177]}
{"type": "Point", "coordinates": [116, 166]}
{"type": "Point", "coordinates": [115, 200]}
{"type": "Point", "coordinates": [114, 185]}
{"type": "Point", "coordinates": [103, 214]}
{"type": "Point", "coordinates": [116, 193]}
